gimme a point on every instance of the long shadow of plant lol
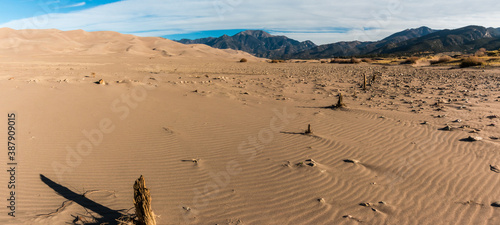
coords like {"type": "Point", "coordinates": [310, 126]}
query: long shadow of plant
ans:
{"type": "Point", "coordinates": [108, 216]}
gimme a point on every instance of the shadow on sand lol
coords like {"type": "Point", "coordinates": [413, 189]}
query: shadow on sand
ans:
{"type": "Point", "coordinates": [108, 216]}
{"type": "Point", "coordinates": [320, 107]}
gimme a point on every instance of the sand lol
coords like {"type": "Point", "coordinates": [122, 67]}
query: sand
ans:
{"type": "Point", "coordinates": [224, 142]}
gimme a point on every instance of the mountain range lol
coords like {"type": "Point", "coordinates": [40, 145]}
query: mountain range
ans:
{"type": "Point", "coordinates": [411, 41]}
{"type": "Point", "coordinates": [257, 42]}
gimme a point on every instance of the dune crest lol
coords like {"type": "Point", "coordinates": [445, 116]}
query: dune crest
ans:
{"type": "Point", "coordinates": [79, 42]}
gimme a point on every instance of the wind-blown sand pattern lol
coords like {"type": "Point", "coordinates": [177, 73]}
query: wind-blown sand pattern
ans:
{"type": "Point", "coordinates": [222, 142]}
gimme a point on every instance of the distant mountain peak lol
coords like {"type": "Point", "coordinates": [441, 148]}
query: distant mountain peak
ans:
{"type": "Point", "coordinates": [256, 42]}
{"type": "Point", "coordinates": [409, 41]}
{"type": "Point", "coordinates": [409, 34]}
{"type": "Point", "coordinates": [255, 33]}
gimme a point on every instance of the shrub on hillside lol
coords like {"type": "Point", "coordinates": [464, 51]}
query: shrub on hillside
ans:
{"type": "Point", "coordinates": [243, 60]}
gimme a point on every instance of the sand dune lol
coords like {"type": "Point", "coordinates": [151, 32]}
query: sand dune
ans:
{"type": "Point", "coordinates": [79, 42]}
{"type": "Point", "coordinates": [222, 142]}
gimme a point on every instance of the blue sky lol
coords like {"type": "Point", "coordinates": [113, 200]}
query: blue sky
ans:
{"type": "Point", "coordinates": [19, 9]}
{"type": "Point", "coordinates": [319, 21]}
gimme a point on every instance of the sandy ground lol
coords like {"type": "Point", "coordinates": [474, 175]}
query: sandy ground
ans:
{"type": "Point", "coordinates": [223, 142]}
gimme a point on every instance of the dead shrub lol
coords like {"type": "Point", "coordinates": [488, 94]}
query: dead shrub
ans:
{"type": "Point", "coordinates": [471, 61]}
{"type": "Point", "coordinates": [339, 60]}
{"type": "Point", "coordinates": [355, 60]}
{"type": "Point", "coordinates": [442, 59]}
{"type": "Point", "coordinates": [480, 52]}
{"type": "Point", "coordinates": [411, 60]}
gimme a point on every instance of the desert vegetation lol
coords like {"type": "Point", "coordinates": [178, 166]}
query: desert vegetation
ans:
{"type": "Point", "coordinates": [481, 52]}
{"type": "Point", "coordinates": [411, 60]}
{"type": "Point", "coordinates": [441, 59]}
{"type": "Point", "coordinates": [352, 60]}
{"type": "Point", "coordinates": [471, 61]}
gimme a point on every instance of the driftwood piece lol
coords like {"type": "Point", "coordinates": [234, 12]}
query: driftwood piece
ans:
{"type": "Point", "coordinates": [340, 103]}
{"type": "Point", "coordinates": [364, 82]}
{"type": "Point", "coordinates": [142, 202]}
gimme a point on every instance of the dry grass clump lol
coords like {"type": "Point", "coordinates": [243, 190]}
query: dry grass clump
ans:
{"type": "Point", "coordinates": [126, 220]}
{"type": "Point", "coordinates": [471, 61]}
{"type": "Point", "coordinates": [243, 60]}
{"type": "Point", "coordinates": [276, 61]}
{"type": "Point", "coordinates": [367, 60]}
{"type": "Point", "coordinates": [355, 60]}
{"type": "Point", "coordinates": [346, 61]}
{"type": "Point", "coordinates": [411, 60]}
{"type": "Point", "coordinates": [442, 59]}
{"type": "Point", "coordinates": [339, 60]}
{"type": "Point", "coordinates": [493, 53]}
{"type": "Point", "coordinates": [480, 52]}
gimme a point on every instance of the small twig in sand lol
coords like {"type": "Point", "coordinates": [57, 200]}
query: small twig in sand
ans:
{"type": "Point", "coordinates": [340, 102]}
{"type": "Point", "coordinates": [351, 161]}
{"type": "Point", "coordinates": [471, 202]}
{"type": "Point", "coordinates": [374, 77]}
{"type": "Point", "coordinates": [308, 131]}
{"type": "Point", "coordinates": [58, 210]}
{"type": "Point", "coordinates": [364, 82]}
{"type": "Point", "coordinates": [168, 130]}
{"type": "Point", "coordinates": [191, 160]}
{"type": "Point", "coordinates": [494, 169]}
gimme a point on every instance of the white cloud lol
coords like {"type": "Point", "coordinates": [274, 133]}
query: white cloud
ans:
{"type": "Point", "coordinates": [303, 20]}
{"type": "Point", "coordinates": [75, 5]}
